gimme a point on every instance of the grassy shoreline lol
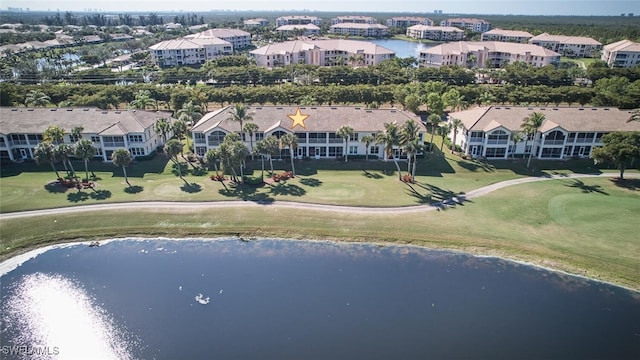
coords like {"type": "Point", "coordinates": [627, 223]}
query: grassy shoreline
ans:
{"type": "Point", "coordinates": [581, 226]}
{"type": "Point", "coordinates": [526, 231]}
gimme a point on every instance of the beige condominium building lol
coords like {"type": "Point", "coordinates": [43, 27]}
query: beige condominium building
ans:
{"type": "Point", "coordinates": [622, 54]}
{"type": "Point", "coordinates": [575, 46]}
{"type": "Point", "coordinates": [321, 53]}
{"type": "Point", "coordinates": [437, 33]}
{"type": "Point", "coordinates": [515, 36]}
{"type": "Point", "coordinates": [486, 54]}
{"type": "Point", "coordinates": [475, 25]}
{"type": "Point", "coordinates": [406, 21]}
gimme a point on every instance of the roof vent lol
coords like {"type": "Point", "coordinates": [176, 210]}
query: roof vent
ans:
{"type": "Point", "coordinates": [14, 109]}
{"type": "Point", "coordinates": [313, 108]}
{"type": "Point", "coordinates": [368, 111]}
{"type": "Point", "coordinates": [606, 109]}
{"type": "Point", "coordinates": [279, 108]}
{"type": "Point", "coordinates": [393, 111]}
{"type": "Point", "coordinates": [530, 108]}
{"type": "Point", "coordinates": [357, 108]}
{"type": "Point", "coordinates": [87, 109]}
{"type": "Point", "coordinates": [334, 108]}
{"type": "Point", "coordinates": [54, 109]}
{"type": "Point", "coordinates": [594, 109]}
{"type": "Point", "coordinates": [118, 112]}
{"type": "Point", "coordinates": [507, 108]}
{"type": "Point", "coordinates": [259, 108]}
{"type": "Point", "coordinates": [30, 109]}
{"type": "Point", "coordinates": [497, 107]}
{"type": "Point", "coordinates": [555, 109]}
{"type": "Point", "coordinates": [69, 109]}
{"type": "Point", "coordinates": [104, 112]}
{"type": "Point", "coordinates": [543, 108]}
{"type": "Point", "coordinates": [581, 109]}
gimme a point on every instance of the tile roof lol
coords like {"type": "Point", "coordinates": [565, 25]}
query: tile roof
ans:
{"type": "Point", "coordinates": [93, 120]}
{"type": "Point", "coordinates": [623, 45]}
{"type": "Point", "coordinates": [568, 118]}
{"type": "Point", "coordinates": [333, 44]}
{"type": "Point", "coordinates": [565, 39]}
{"type": "Point", "coordinates": [321, 118]}
{"type": "Point", "coordinates": [464, 47]}
{"type": "Point", "coordinates": [514, 33]}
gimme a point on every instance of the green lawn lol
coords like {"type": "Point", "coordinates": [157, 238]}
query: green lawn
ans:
{"type": "Point", "coordinates": [357, 183]}
{"type": "Point", "coordinates": [584, 226]}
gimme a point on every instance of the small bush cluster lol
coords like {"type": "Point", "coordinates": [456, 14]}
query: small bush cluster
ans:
{"type": "Point", "coordinates": [217, 177]}
{"type": "Point", "coordinates": [282, 176]}
{"type": "Point", "coordinates": [407, 178]}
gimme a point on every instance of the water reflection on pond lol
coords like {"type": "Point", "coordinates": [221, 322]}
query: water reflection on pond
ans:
{"type": "Point", "coordinates": [274, 299]}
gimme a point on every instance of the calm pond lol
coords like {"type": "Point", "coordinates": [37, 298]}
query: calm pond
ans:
{"type": "Point", "coordinates": [279, 299]}
{"type": "Point", "coordinates": [403, 48]}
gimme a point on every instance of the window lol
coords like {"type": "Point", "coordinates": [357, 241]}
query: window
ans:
{"type": "Point", "coordinates": [335, 151]}
{"type": "Point", "coordinates": [136, 151]}
{"type": "Point", "coordinates": [199, 138]}
{"type": "Point", "coordinates": [216, 138]}
{"type": "Point", "coordinates": [95, 139]}
{"type": "Point", "coordinates": [302, 137]}
{"type": "Point", "coordinates": [334, 138]}
{"type": "Point", "coordinates": [259, 136]}
{"type": "Point", "coordinates": [353, 150]}
{"type": "Point", "coordinates": [495, 152]}
{"type": "Point", "coordinates": [73, 138]}
{"type": "Point", "coordinates": [135, 138]}
{"type": "Point", "coordinates": [498, 137]}
{"type": "Point", "coordinates": [113, 141]}
{"type": "Point", "coordinates": [354, 137]}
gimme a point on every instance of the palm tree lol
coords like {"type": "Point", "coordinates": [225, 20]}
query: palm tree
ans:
{"type": "Point", "coordinates": [162, 127]}
{"type": "Point", "coordinates": [37, 98]}
{"type": "Point", "coordinates": [44, 153]}
{"type": "Point", "coordinates": [271, 146]}
{"type": "Point", "coordinates": [251, 128]}
{"type": "Point", "coordinates": [635, 115]}
{"type": "Point", "coordinates": [172, 148]}
{"type": "Point", "coordinates": [290, 141]}
{"type": "Point", "coordinates": [409, 139]}
{"type": "Point", "coordinates": [54, 134]}
{"type": "Point", "coordinates": [390, 138]}
{"type": "Point", "coordinates": [456, 124]}
{"type": "Point", "coordinates": [179, 129]}
{"type": "Point", "coordinates": [64, 152]}
{"type": "Point", "coordinates": [76, 133]}
{"type": "Point", "coordinates": [122, 157]}
{"type": "Point", "coordinates": [85, 150]}
{"type": "Point", "coordinates": [434, 120]}
{"type": "Point", "coordinates": [531, 125]}
{"type": "Point", "coordinates": [367, 140]}
{"type": "Point", "coordinates": [142, 100]}
{"type": "Point", "coordinates": [444, 130]}
{"type": "Point", "coordinates": [190, 112]}
{"type": "Point", "coordinates": [211, 159]}
{"type": "Point", "coordinates": [345, 132]}
{"type": "Point", "coordinates": [240, 114]}
{"type": "Point", "coordinates": [516, 137]}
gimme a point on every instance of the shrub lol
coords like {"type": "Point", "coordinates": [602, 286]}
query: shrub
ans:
{"type": "Point", "coordinates": [283, 176]}
{"type": "Point", "coordinates": [407, 178]}
{"type": "Point", "coordinates": [217, 177]}
{"type": "Point", "coordinates": [253, 180]}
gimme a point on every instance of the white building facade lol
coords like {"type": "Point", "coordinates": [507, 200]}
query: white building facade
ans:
{"type": "Point", "coordinates": [22, 130]}
{"type": "Point", "coordinates": [406, 21]}
{"type": "Point", "coordinates": [474, 25]}
{"type": "Point", "coordinates": [566, 133]}
{"type": "Point", "coordinates": [514, 36]}
{"type": "Point", "coordinates": [356, 29]}
{"type": "Point", "coordinates": [574, 46]}
{"type": "Point", "coordinates": [317, 139]}
{"type": "Point", "coordinates": [437, 33]}
{"type": "Point", "coordinates": [622, 54]}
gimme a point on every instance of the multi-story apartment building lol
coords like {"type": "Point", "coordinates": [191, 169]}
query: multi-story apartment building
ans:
{"type": "Point", "coordinates": [314, 126]}
{"type": "Point", "coordinates": [355, 29]}
{"type": "Point", "coordinates": [623, 54]}
{"type": "Point", "coordinates": [321, 53]}
{"type": "Point", "coordinates": [257, 22]}
{"type": "Point", "coordinates": [305, 30]}
{"type": "Point", "coordinates": [238, 38]}
{"type": "Point", "coordinates": [22, 129]}
{"type": "Point", "coordinates": [183, 51]}
{"type": "Point", "coordinates": [576, 46]}
{"type": "Point", "coordinates": [567, 132]}
{"type": "Point", "coordinates": [486, 54]}
{"type": "Point", "coordinates": [406, 21]}
{"type": "Point", "coordinates": [437, 33]}
{"type": "Point", "coordinates": [354, 19]}
{"type": "Point", "coordinates": [298, 20]}
{"type": "Point", "coordinates": [514, 36]}
{"type": "Point", "coordinates": [475, 25]}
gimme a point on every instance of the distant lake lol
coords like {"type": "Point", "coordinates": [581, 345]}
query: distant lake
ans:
{"type": "Point", "coordinates": [280, 299]}
{"type": "Point", "coordinates": [403, 48]}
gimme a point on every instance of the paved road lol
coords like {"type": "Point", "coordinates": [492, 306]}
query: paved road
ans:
{"type": "Point", "coordinates": [177, 206]}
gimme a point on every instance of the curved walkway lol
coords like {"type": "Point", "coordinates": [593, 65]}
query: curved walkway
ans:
{"type": "Point", "coordinates": [300, 205]}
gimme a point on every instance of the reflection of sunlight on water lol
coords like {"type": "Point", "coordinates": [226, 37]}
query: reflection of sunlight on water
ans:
{"type": "Point", "coordinates": [51, 311]}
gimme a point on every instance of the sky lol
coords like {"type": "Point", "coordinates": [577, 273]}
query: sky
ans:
{"type": "Point", "coordinates": [504, 7]}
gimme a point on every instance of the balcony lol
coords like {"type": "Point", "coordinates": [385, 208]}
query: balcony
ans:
{"type": "Point", "coordinates": [476, 139]}
{"type": "Point", "coordinates": [554, 142]}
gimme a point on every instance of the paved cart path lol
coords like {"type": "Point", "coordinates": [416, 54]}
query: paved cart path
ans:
{"type": "Point", "coordinates": [177, 206]}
